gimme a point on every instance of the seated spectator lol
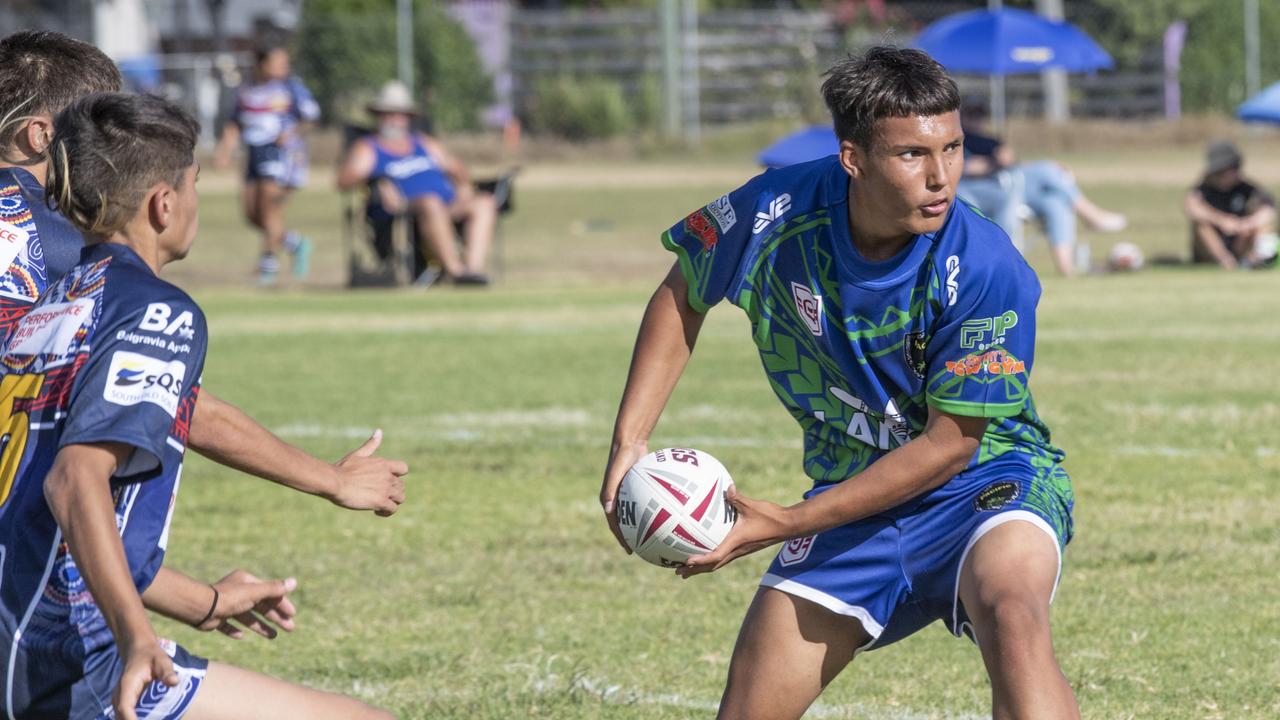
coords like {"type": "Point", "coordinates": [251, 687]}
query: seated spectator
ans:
{"type": "Point", "coordinates": [1001, 187]}
{"type": "Point", "coordinates": [410, 171]}
{"type": "Point", "coordinates": [1233, 221]}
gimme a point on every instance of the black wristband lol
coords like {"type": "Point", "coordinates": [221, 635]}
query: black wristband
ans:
{"type": "Point", "coordinates": [212, 609]}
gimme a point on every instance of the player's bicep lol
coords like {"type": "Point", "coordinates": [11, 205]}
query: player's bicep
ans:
{"type": "Point", "coordinates": [978, 362]}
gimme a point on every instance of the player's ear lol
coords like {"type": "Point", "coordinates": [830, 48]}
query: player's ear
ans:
{"type": "Point", "coordinates": [38, 134]}
{"type": "Point", "coordinates": [160, 203]}
{"type": "Point", "coordinates": [852, 158]}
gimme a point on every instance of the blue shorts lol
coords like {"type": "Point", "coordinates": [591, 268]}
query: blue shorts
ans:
{"type": "Point", "coordinates": [89, 697]}
{"type": "Point", "coordinates": [286, 166]}
{"type": "Point", "coordinates": [898, 571]}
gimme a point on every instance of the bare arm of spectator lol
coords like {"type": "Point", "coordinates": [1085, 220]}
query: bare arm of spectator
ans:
{"type": "Point", "coordinates": [1200, 211]}
{"type": "Point", "coordinates": [453, 167]}
{"type": "Point", "coordinates": [357, 166]}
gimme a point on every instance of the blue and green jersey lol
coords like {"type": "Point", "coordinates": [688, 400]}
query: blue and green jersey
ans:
{"type": "Point", "coordinates": [858, 350]}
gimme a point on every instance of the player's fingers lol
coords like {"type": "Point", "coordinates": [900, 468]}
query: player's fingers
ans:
{"type": "Point", "coordinates": [617, 531]}
{"type": "Point", "coordinates": [255, 623]}
{"type": "Point", "coordinates": [230, 630]}
{"type": "Point", "coordinates": [162, 670]}
{"type": "Point", "coordinates": [370, 446]}
{"type": "Point", "coordinates": [398, 467]}
{"type": "Point", "coordinates": [268, 592]}
{"type": "Point", "coordinates": [280, 620]}
{"type": "Point", "coordinates": [397, 491]}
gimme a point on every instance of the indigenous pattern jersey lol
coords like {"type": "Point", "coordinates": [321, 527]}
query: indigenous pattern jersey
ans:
{"type": "Point", "coordinates": [110, 353]}
{"type": "Point", "coordinates": [36, 244]}
{"type": "Point", "coordinates": [266, 111]}
{"type": "Point", "coordinates": [856, 350]}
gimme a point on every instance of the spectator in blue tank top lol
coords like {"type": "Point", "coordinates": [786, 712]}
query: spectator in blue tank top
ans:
{"type": "Point", "coordinates": [412, 172]}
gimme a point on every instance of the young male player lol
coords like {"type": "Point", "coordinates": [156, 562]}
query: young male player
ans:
{"type": "Point", "coordinates": [897, 327]}
{"type": "Point", "coordinates": [98, 398]}
{"type": "Point", "coordinates": [40, 74]}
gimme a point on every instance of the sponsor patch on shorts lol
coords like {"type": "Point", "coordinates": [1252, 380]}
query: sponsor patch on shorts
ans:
{"type": "Point", "coordinates": [997, 495]}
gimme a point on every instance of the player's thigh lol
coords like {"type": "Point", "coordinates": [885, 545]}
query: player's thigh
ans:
{"type": "Point", "coordinates": [788, 650]}
{"type": "Point", "coordinates": [1009, 577]}
{"type": "Point", "coordinates": [231, 693]}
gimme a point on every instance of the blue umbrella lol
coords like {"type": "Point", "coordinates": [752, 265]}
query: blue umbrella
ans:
{"type": "Point", "coordinates": [811, 143]}
{"type": "Point", "coordinates": [1010, 41]}
{"type": "Point", "coordinates": [1263, 107]}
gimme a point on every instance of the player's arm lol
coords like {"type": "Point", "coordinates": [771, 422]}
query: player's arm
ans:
{"type": "Point", "coordinates": [259, 605]}
{"type": "Point", "coordinates": [663, 347]}
{"type": "Point", "coordinates": [357, 167]}
{"type": "Point", "coordinates": [360, 481]}
{"type": "Point", "coordinates": [931, 459]}
{"type": "Point", "coordinates": [78, 492]}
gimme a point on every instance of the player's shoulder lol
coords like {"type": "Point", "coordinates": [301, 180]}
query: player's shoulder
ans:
{"type": "Point", "coordinates": [808, 183]}
{"type": "Point", "coordinates": [972, 245]}
{"type": "Point", "coordinates": [132, 291]}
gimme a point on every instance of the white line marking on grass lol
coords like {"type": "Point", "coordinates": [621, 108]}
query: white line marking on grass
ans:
{"type": "Point", "coordinates": [614, 693]}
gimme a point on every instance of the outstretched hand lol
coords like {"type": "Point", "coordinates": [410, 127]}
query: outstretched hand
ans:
{"type": "Point", "coordinates": [144, 663]}
{"type": "Point", "coordinates": [621, 458]}
{"type": "Point", "coordinates": [369, 482]}
{"type": "Point", "coordinates": [253, 603]}
{"type": "Point", "coordinates": [760, 524]}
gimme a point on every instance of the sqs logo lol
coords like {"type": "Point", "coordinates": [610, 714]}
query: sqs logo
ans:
{"type": "Point", "coordinates": [796, 551]}
{"type": "Point", "coordinates": [134, 378]}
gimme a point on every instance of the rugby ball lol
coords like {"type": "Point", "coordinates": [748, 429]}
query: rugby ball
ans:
{"type": "Point", "coordinates": [671, 505]}
{"type": "Point", "coordinates": [1124, 257]}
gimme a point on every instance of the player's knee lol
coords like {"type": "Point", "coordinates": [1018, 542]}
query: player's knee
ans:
{"type": "Point", "coordinates": [1016, 615]}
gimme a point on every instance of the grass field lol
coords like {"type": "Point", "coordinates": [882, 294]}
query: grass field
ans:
{"type": "Point", "coordinates": [497, 591]}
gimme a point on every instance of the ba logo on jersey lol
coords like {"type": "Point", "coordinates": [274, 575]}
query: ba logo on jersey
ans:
{"type": "Point", "coordinates": [159, 318]}
{"type": "Point", "coordinates": [777, 208]}
{"type": "Point", "coordinates": [809, 306]}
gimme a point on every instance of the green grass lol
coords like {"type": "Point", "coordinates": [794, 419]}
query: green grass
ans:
{"type": "Point", "coordinates": [497, 591]}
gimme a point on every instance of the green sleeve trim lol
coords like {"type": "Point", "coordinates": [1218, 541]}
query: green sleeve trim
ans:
{"type": "Point", "coordinates": [974, 409]}
{"type": "Point", "coordinates": [686, 269]}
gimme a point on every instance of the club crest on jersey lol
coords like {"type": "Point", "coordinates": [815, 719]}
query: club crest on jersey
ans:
{"type": "Point", "coordinates": [700, 225]}
{"type": "Point", "coordinates": [157, 319]}
{"type": "Point", "coordinates": [777, 208]}
{"type": "Point", "coordinates": [796, 551]}
{"type": "Point", "coordinates": [809, 306]}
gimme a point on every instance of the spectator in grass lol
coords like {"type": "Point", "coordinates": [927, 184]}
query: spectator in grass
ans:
{"type": "Point", "coordinates": [1002, 187]}
{"type": "Point", "coordinates": [1233, 221]}
{"type": "Point", "coordinates": [411, 171]}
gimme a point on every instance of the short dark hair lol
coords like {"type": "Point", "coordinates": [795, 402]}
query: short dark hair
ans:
{"type": "Point", "coordinates": [885, 82]}
{"type": "Point", "coordinates": [109, 149]}
{"type": "Point", "coordinates": [43, 72]}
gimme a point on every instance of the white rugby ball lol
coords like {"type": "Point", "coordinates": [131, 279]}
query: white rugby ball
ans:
{"type": "Point", "coordinates": [671, 505]}
{"type": "Point", "coordinates": [1124, 257]}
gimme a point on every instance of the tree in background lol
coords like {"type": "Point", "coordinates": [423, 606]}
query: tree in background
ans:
{"type": "Point", "coordinates": [346, 49]}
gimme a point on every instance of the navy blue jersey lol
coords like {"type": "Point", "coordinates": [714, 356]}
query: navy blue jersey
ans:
{"type": "Point", "coordinates": [37, 245]}
{"type": "Point", "coordinates": [110, 353]}
{"type": "Point", "coordinates": [857, 351]}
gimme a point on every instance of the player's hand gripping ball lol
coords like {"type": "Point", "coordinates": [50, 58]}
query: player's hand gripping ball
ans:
{"type": "Point", "coordinates": [671, 505]}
